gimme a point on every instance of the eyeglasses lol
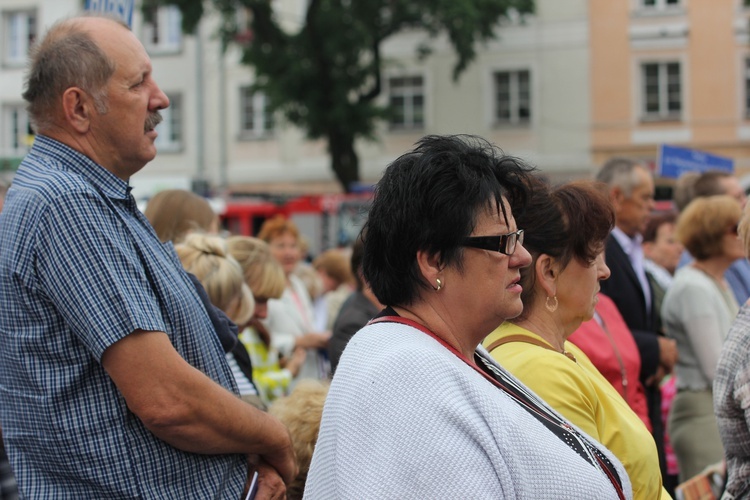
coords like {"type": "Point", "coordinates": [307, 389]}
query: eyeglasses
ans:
{"type": "Point", "coordinates": [504, 243]}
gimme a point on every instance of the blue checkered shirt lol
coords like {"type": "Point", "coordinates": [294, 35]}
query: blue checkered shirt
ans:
{"type": "Point", "coordinates": [81, 268]}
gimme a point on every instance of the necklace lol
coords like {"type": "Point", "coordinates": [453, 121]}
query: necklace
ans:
{"type": "Point", "coordinates": [618, 355]}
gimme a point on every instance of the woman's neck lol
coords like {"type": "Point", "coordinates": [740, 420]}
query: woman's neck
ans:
{"type": "Point", "coordinates": [714, 267]}
{"type": "Point", "coordinates": [441, 326]}
{"type": "Point", "coordinates": [544, 326]}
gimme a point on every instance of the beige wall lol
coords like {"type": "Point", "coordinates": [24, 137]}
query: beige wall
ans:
{"type": "Point", "coordinates": [709, 38]}
{"type": "Point", "coordinates": [553, 46]}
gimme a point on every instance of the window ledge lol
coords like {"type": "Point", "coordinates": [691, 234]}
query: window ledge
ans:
{"type": "Point", "coordinates": [254, 137]}
{"type": "Point", "coordinates": [646, 120]}
{"type": "Point", "coordinates": [519, 125]}
{"type": "Point", "coordinates": [171, 148]}
{"type": "Point", "coordinates": [13, 64]}
{"type": "Point", "coordinates": [403, 129]}
{"type": "Point", "coordinates": [158, 51]}
{"type": "Point", "coordinates": [678, 10]}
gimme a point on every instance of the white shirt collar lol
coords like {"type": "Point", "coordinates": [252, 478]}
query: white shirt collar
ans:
{"type": "Point", "coordinates": [626, 242]}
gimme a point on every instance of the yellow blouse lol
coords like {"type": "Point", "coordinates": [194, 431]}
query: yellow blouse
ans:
{"type": "Point", "coordinates": [581, 394]}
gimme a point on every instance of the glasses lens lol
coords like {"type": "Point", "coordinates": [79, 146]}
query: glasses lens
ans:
{"type": "Point", "coordinates": [510, 243]}
{"type": "Point", "coordinates": [511, 240]}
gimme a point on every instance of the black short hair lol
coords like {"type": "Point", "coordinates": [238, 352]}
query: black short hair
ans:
{"type": "Point", "coordinates": [356, 260]}
{"type": "Point", "coordinates": [429, 199]}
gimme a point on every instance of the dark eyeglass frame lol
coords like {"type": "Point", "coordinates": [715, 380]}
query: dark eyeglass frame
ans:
{"type": "Point", "coordinates": [504, 243]}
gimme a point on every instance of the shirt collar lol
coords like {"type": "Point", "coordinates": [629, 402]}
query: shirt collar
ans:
{"type": "Point", "coordinates": [71, 160]}
{"type": "Point", "coordinates": [626, 242]}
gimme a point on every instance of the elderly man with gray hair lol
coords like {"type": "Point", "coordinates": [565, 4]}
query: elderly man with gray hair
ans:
{"type": "Point", "coordinates": [631, 190]}
{"type": "Point", "coordinates": [113, 383]}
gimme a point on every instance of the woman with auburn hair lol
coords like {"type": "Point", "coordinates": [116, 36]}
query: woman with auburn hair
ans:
{"type": "Point", "coordinates": [560, 291]}
{"type": "Point", "coordinates": [697, 311]}
{"type": "Point", "coordinates": [272, 375]}
{"type": "Point", "coordinates": [290, 318]}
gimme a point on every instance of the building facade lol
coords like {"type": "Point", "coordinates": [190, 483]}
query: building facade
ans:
{"type": "Point", "coordinates": [528, 91]}
{"type": "Point", "coordinates": [670, 72]}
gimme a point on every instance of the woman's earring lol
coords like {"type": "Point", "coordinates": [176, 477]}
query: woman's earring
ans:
{"type": "Point", "coordinates": [439, 285]}
{"type": "Point", "coordinates": [551, 307]}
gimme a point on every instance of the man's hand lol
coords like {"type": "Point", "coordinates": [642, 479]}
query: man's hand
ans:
{"type": "Point", "coordinates": [283, 461]}
{"type": "Point", "coordinates": [270, 484]}
{"type": "Point", "coordinates": [656, 378]}
{"type": "Point", "coordinates": [667, 352]}
{"type": "Point", "coordinates": [295, 362]}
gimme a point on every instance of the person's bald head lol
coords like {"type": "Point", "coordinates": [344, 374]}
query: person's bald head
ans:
{"type": "Point", "coordinates": [72, 54]}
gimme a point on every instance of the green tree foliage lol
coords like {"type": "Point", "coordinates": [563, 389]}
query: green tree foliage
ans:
{"type": "Point", "coordinates": [325, 77]}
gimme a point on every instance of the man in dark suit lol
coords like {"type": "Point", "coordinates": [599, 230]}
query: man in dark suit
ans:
{"type": "Point", "coordinates": [631, 189]}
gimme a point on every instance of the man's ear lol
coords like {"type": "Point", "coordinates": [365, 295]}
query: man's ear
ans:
{"type": "Point", "coordinates": [617, 196]}
{"type": "Point", "coordinates": [648, 246]}
{"type": "Point", "coordinates": [77, 108]}
{"type": "Point", "coordinates": [430, 267]}
{"type": "Point", "coordinates": [547, 270]}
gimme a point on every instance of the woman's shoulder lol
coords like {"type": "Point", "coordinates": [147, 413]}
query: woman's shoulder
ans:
{"type": "Point", "coordinates": [390, 343]}
{"type": "Point", "coordinates": [689, 276]}
{"type": "Point", "coordinates": [547, 372]}
{"type": "Point", "coordinates": [690, 286]}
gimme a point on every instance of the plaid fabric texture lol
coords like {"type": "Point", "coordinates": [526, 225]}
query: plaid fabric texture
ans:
{"type": "Point", "coordinates": [81, 268]}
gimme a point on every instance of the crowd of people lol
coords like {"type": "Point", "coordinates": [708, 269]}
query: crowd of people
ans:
{"type": "Point", "coordinates": [487, 335]}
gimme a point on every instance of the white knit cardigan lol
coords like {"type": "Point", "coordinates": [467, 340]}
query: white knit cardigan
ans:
{"type": "Point", "coordinates": [406, 418]}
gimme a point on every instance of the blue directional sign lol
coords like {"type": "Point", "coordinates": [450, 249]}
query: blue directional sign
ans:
{"type": "Point", "coordinates": [120, 8]}
{"type": "Point", "coordinates": [674, 160]}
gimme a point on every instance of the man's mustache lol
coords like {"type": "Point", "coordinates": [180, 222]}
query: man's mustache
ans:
{"type": "Point", "coordinates": [152, 121]}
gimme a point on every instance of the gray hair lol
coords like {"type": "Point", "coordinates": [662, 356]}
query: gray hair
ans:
{"type": "Point", "coordinates": [684, 189]}
{"type": "Point", "coordinates": [66, 57]}
{"type": "Point", "coordinates": [620, 172]}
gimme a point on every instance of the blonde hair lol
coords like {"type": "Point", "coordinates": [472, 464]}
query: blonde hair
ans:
{"type": "Point", "coordinates": [263, 274]}
{"type": "Point", "coordinates": [300, 412]}
{"type": "Point", "coordinates": [336, 264]}
{"type": "Point", "coordinates": [307, 274]}
{"type": "Point", "coordinates": [704, 222]}
{"type": "Point", "coordinates": [175, 212]}
{"type": "Point", "coordinates": [208, 259]}
{"type": "Point", "coordinates": [743, 230]}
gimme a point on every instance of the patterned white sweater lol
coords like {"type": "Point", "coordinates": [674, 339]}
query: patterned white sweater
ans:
{"type": "Point", "coordinates": [406, 418]}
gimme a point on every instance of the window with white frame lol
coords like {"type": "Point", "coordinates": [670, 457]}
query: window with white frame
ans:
{"type": "Point", "coordinates": [659, 4]}
{"type": "Point", "coordinates": [16, 131]}
{"type": "Point", "coordinates": [163, 35]}
{"type": "Point", "coordinates": [662, 90]}
{"type": "Point", "coordinates": [747, 88]}
{"type": "Point", "coordinates": [170, 136]}
{"type": "Point", "coordinates": [256, 119]}
{"type": "Point", "coordinates": [20, 30]}
{"type": "Point", "coordinates": [406, 100]}
{"type": "Point", "coordinates": [512, 97]}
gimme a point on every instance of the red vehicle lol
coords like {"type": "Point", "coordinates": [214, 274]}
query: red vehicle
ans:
{"type": "Point", "coordinates": [324, 220]}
